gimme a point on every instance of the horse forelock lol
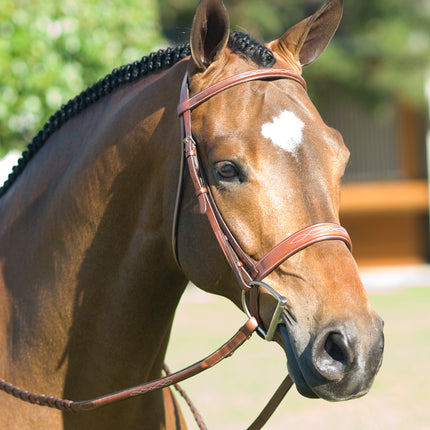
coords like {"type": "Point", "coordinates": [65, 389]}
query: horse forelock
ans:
{"type": "Point", "coordinates": [239, 43]}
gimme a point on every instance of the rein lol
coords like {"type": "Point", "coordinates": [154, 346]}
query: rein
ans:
{"type": "Point", "coordinates": [249, 273]}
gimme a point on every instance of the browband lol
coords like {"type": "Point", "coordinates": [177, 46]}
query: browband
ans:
{"type": "Point", "coordinates": [252, 75]}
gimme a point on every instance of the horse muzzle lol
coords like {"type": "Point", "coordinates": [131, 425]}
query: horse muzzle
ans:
{"type": "Point", "coordinates": [336, 363]}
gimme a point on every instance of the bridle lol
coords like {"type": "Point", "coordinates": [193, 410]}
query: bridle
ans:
{"type": "Point", "coordinates": [249, 273]}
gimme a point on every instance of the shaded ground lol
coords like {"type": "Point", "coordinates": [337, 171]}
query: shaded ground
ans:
{"type": "Point", "coordinates": [232, 394]}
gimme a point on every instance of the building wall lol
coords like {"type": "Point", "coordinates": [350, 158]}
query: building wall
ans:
{"type": "Point", "coordinates": [385, 193]}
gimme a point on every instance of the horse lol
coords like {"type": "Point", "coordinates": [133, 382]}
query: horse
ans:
{"type": "Point", "coordinates": [90, 275]}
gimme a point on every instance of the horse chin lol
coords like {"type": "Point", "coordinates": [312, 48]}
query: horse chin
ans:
{"type": "Point", "coordinates": [293, 366]}
{"type": "Point", "coordinates": [296, 375]}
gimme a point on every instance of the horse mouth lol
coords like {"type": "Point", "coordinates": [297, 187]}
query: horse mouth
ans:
{"type": "Point", "coordinates": [334, 373]}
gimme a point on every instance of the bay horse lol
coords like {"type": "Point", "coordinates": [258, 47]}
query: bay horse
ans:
{"type": "Point", "coordinates": [90, 275]}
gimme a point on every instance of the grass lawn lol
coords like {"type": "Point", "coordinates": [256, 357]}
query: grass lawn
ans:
{"type": "Point", "coordinates": [231, 395]}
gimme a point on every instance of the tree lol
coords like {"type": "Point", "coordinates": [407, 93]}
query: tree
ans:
{"type": "Point", "coordinates": [382, 50]}
{"type": "Point", "coordinates": [50, 51]}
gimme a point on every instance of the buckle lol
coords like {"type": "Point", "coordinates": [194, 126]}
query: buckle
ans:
{"type": "Point", "coordinates": [275, 321]}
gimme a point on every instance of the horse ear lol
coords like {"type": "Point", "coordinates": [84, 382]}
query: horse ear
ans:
{"type": "Point", "coordinates": [307, 40]}
{"type": "Point", "coordinates": [210, 32]}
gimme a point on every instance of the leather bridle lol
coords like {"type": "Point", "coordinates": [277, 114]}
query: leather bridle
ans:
{"type": "Point", "coordinates": [249, 273]}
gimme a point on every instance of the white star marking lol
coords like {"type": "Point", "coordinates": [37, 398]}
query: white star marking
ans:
{"type": "Point", "coordinates": [285, 131]}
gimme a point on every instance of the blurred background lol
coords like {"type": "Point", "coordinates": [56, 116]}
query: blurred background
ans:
{"type": "Point", "coordinates": [372, 84]}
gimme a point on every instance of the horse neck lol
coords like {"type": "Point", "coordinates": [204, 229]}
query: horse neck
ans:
{"type": "Point", "coordinates": [88, 271]}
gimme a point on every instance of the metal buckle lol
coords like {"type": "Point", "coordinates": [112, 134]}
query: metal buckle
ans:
{"type": "Point", "coordinates": [268, 335]}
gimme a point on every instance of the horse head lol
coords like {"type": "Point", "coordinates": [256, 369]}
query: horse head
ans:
{"type": "Point", "coordinates": [274, 167]}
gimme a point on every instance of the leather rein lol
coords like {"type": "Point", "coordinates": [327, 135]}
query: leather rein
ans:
{"type": "Point", "coordinates": [249, 273]}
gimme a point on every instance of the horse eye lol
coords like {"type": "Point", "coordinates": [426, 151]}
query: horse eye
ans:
{"type": "Point", "coordinates": [226, 170]}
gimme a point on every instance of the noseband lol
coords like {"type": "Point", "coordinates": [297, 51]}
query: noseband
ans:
{"type": "Point", "coordinates": [249, 272]}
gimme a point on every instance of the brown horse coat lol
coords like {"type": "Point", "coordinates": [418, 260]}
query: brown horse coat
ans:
{"type": "Point", "coordinates": [89, 283]}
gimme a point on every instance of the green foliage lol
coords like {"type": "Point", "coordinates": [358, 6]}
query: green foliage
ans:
{"type": "Point", "coordinates": [52, 50]}
{"type": "Point", "coordinates": [381, 50]}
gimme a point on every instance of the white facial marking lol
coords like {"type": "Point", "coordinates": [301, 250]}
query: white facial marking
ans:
{"type": "Point", "coordinates": [285, 131]}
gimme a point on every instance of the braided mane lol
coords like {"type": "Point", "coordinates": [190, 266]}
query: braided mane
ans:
{"type": "Point", "coordinates": [239, 43]}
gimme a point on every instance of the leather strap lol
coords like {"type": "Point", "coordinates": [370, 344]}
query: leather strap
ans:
{"type": "Point", "coordinates": [273, 403]}
{"type": "Point", "coordinates": [244, 266]}
{"type": "Point", "coordinates": [246, 269]}
{"type": "Point", "coordinates": [252, 75]}
{"type": "Point", "coordinates": [298, 241]}
{"type": "Point", "coordinates": [225, 351]}
{"type": "Point", "coordinates": [221, 353]}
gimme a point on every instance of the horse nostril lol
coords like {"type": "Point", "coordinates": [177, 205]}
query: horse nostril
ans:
{"type": "Point", "coordinates": [335, 347]}
{"type": "Point", "coordinates": [332, 355]}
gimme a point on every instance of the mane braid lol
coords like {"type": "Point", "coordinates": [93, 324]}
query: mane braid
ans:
{"type": "Point", "coordinates": [243, 44]}
{"type": "Point", "coordinates": [125, 74]}
{"type": "Point", "coordinates": [239, 43]}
